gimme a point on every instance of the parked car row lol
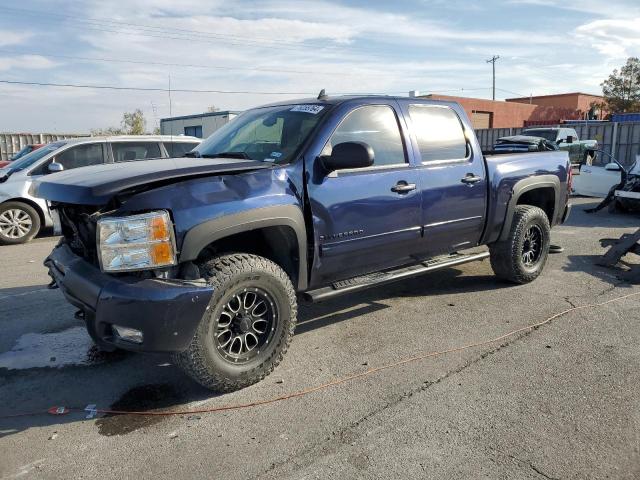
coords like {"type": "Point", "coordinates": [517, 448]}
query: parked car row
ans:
{"type": "Point", "coordinates": [22, 215]}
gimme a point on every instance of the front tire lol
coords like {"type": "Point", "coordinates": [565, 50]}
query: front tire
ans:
{"type": "Point", "coordinates": [19, 223]}
{"type": "Point", "coordinates": [522, 256]}
{"type": "Point", "coordinates": [247, 326]}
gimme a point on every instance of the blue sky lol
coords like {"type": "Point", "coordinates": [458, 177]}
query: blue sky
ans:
{"type": "Point", "coordinates": [294, 47]}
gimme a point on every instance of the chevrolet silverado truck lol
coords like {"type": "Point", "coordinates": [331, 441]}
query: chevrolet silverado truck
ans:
{"type": "Point", "coordinates": [580, 151]}
{"type": "Point", "coordinates": [206, 257]}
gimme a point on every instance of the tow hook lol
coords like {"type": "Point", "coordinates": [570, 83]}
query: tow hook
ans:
{"type": "Point", "coordinates": [79, 315]}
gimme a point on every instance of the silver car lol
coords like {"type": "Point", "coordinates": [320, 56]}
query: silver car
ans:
{"type": "Point", "coordinates": [23, 216]}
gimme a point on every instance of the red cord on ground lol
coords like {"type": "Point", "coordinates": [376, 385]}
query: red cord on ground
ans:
{"type": "Point", "coordinates": [355, 376]}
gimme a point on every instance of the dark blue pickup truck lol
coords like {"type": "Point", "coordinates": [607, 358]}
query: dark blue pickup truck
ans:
{"type": "Point", "coordinates": [207, 256]}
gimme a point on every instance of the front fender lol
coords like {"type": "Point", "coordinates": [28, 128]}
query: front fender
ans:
{"type": "Point", "coordinates": [203, 234]}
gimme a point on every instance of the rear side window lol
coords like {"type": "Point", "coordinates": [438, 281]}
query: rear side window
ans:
{"type": "Point", "coordinates": [439, 133]}
{"type": "Point", "coordinates": [81, 156]}
{"type": "Point", "coordinates": [178, 149]}
{"type": "Point", "coordinates": [375, 125]}
{"type": "Point", "coordinates": [130, 151]}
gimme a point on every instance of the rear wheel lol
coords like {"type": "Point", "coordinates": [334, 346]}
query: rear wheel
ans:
{"type": "Point", "coordinates": [19, 223]}
{"type": "Point", "coordinates": [247, 326]}
{"type": "Point", "coordinates": [522, 256]}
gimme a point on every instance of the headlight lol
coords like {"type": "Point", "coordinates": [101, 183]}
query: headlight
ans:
{"type": "Point", "coordinates": [137, 242]}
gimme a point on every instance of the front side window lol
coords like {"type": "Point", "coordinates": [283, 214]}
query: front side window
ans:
{"type": "Point", "coordinates": [130, 151]}
{"type": "Point", "coordinates": [439, 133]}
{"type": "Point", "coordinates": [33, 157]}
{"type": "Point", "coordinates": [81, 156]}
{"type": "Point", "coordinates": [375, 125]}
{"type": "Point", "coordinates": [269, 134]}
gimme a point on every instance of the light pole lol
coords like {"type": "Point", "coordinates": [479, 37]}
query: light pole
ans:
{"type": "Point", "coordinates": [493, 62]}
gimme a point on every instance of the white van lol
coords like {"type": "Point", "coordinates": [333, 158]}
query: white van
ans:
{"type": "Point", "coordinates": [22, 216]}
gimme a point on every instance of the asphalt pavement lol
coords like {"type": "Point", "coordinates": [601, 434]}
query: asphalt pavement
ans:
{"type": "Point", "coordinates": [558, 402]}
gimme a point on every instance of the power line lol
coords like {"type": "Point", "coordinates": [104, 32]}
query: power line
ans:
{"type": "Point", "coordinates": [144, 89]}
{"type": "Point", "coordinates": [191, 65]}
{"type": "Point", "coordinates": [171, 33]}
{"type": "Point", "coordinates": [172, 90]}
{"type": "Point", "coordinates": [187, 90]}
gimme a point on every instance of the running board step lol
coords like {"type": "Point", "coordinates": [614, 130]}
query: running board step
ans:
{"type": "Point", "coordinates": [374, 279]}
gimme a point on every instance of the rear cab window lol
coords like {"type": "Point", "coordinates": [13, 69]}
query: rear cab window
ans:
{"type": "Point", "coordinates": [439, 133]}
{"type": "Point", "coordinates": [132, 151]}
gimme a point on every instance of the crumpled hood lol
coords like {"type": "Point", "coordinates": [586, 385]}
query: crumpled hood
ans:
{"type": "Point", "coordinates": [96, 185]}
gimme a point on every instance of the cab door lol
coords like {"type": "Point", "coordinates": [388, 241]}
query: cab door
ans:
{"type": "Point", "coordinates": [365, 219]}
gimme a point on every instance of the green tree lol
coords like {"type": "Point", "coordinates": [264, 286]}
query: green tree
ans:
{"type": "Point", "coordinates": [622, 89]}
{"type": "Point", "coordinates": [132, 123]}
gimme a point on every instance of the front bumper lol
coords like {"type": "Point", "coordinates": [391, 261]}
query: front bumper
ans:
{"type": "Point", "coordinates": [167, 312]}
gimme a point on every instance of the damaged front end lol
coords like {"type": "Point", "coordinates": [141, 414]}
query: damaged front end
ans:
{"type": "Point", "coordinates": [140, 310]}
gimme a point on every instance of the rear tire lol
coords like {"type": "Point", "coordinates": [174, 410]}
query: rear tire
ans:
{"type": "Point", "coordinates": [247, 326]}
{"type": "Point", "coordinates": [19, 223]}
{"type": "Point", "coordinates": [522, 256]}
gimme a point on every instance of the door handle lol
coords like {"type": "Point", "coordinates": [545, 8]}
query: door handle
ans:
{"type": "Point", "coordinates": [403, 187]}
{"type": "Point", "coordinates": [470, 179]}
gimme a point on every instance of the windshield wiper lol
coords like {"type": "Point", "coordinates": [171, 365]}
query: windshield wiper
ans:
{"type": "Point", "coordinates": [227, 155]}
{"type": "Point", "coordinates": [192, 154]}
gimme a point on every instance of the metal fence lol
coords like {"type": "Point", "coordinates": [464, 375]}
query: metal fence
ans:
{"type": "Point", "coordinates": [620, 139]}
{"type": "Point", "coordinates": [12, 143]}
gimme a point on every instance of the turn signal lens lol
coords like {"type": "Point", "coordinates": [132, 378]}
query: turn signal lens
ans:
{"type": "Point", "coordinates": [161, 253]}
{"type": "Point", "coordinates": [159, 228]}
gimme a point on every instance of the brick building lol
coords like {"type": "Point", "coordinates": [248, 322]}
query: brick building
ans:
{"type": "Point", "coordinates": [519, 112]}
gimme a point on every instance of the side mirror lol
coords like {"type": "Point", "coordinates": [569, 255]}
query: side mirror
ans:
{"type": "Point", "coordinates": [348, 155]}
{"type": "Point", "coordinates": [569, 139]}
{"type": "Point", "coordinates": [55, 167]}
{"type": "Point", "coordinates": [612, 167]}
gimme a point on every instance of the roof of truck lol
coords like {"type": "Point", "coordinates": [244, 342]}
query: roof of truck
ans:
{"type": "Point", "coordinates": [337, 100]}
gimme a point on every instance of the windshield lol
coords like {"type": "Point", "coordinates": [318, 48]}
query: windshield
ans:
{"type": "Point", "coordinates": [548, 134]}
{"type": "Point", "coordinates": [270, 134]}
{"type": "Point", "coordinates": [33, 157]}
{"type": "Point", "coordinates": [22, 153]}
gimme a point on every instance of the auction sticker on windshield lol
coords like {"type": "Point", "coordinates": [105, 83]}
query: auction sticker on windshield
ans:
{"type": "Point", "coordinates": [313, 109]}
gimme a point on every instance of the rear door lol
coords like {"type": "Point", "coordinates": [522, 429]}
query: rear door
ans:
{"type": "Point", "coordinates": [451, 176]}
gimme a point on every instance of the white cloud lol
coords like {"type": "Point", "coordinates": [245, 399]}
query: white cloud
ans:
{"type": "Point", "coordinates": [8, 37]}
{"type": "Point", "coordinates": [604, 8]}
{"type": "Point", "coordinates": [350, 49]}
{"type": "Point", "coordinates": [29, 62]}
{"type": "Point", "coordinates": [614, 38]}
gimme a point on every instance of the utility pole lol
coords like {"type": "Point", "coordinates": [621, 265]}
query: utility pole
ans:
{"type": "Point", "coordinates": [493, 62]}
